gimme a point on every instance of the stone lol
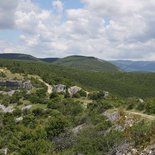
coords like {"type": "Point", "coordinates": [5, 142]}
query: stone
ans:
{"type": "Point", "coordinates": [4, 151]}
{"type": "Point", "coordinates": [19, 119]}
{"type": "Point", "coordinates": [27, 85]}
{"type": "Point", "coordinates": [73, 90]}
{"type": "Point", "coordinates": [150, 150]}
{"type": "Point", "coordinates": [27, 107]}
{"type": "Point", "coordinates": [140, 100]}
{"type": "Point", "coordinates": [60, 88]}
{"type": "Point", "coordinates": [16, 84]}
{"type": "Point", "coordinates": [112, 116]}
{"type": "Point", "coordinates": [8, 109]}
{"type": "Point", "coordinates": [106, 94]}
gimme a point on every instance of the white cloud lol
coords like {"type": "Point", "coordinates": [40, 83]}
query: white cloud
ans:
{"type": "Point", "coordinates": [58, 5]}
{"type": "Point", "coordinates": [7, 11]}
{"type": "Point", "coordinates": [114, 29]}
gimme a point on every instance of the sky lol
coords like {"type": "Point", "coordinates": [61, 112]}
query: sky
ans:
{"type": "Point", "coordinates": [107, 29]}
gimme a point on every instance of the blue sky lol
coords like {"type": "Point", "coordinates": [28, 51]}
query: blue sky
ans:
{"type": "Point", "coordinates": [68, 4]}
{"type": "Point", "coordinates": [111, 29]}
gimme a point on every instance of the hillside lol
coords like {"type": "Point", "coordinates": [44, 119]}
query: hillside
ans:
{"type": "Point", "coordinates": [118, 83]}
{"type": "Point", "coordinates": [87, 63]}
{"type": "Point", "coordinates": [49, 60]}
{"type": "Point", "coordinates": [17, 56]}
{"type": "Point", "coordinates": [135, 66]}
{"type": "Point", "coordinates": [78, 62]}
{"type": "Point", "coordinates": [36, 121]}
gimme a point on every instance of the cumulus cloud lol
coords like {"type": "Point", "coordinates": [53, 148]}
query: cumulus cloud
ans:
{"type": "Point", "coordinates": [114, 29]}
{"type": "Point", "coordinates": [7, 12]}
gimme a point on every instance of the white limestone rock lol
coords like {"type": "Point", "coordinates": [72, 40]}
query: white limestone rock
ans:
{"type": "Point", "coordinates": [8, 109]}
{"type": "Point", "coordinates": [60, 88]}
{"type": "Point", "coordinates": [27, 107]}
{"type": "Point", "coordinates": [73, 90]}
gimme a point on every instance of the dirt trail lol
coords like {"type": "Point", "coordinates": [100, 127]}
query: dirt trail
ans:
{"type": "Point", "coordinates": [149, 117]}
{"type": "Point", "coordinates": [49, 87]}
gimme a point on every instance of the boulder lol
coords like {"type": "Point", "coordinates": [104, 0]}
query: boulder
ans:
{"type": "Point", "coordinates": [73, 90]}
{"type": "Point", "coordinates": [8, 109]}
{"type": "Point", "coordinates": [140, 100]}
{"type": "Point", "coordinates": [106, 94]}
{"type": "Point", "coordinates": [60, 88]}
{"type": "Point", "coordinates": [27, 85]}
{"type": "Point", "coordinates": [27, 107]}
{"type": "Point", "coordinates": [19, 119]}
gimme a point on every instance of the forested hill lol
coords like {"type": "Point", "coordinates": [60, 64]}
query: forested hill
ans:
{"type": "Point", "coordinates": [119, 83]}
{"type": "Point", "coordinates": [18, 56]}
{"type": "Point", "coordinates": [87, 63]}
{"type": "Point", "coordinates": [78, 62]}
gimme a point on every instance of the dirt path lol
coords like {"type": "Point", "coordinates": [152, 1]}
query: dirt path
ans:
{"type": "Point", "coordinates": [49, 87]}
{"type": "Point", "coordinates": [149, 117]}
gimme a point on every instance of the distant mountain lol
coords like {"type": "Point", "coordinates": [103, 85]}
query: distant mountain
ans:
{"type": "Point", "coordinates": [87, 63]}
{"type": "Point", "coordinates": [49, 60]}
{"type": "Point", "coordinates": [135, 66]}
{"type": "Point", "coordinates": [18, 56]}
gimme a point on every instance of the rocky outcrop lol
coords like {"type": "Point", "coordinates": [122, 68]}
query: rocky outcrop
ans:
{"type": "Point", "coordinates": [8, 109]}
{"type": "Point", "coordinates": [73, 90]}
{"type": "Point", "coordinates": [4, 151]}
{"type": "Point", "coordinates": [15, 84]}
{"type": "Point", "coordinates": [150, 150]}
{"type": "Point", "coordinates": [27, 107]}
{"type": "Point", "coordinates": [106, 94]}
{"type": "Point", "coordinates": [60, 88]}
{"type": "Point", "coordinates": [27, 85]}
{"type": "Point", "coordinates": [19, 119]}
{"type": "Point", "coordinates": [128, 149]}
{"type": "Point", "coordinates": [113, 117]}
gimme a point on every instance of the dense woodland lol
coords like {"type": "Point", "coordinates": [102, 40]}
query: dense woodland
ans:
{"type": "Point", "coordinates": [118, 83]}
{"type": "Point", "coordinates": [60, 125]}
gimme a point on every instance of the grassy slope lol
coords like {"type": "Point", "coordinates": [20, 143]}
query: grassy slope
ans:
{"type": "Point", "coordinates": [86, 63]}
{"type": "Point", "coordinates": [123, 84]}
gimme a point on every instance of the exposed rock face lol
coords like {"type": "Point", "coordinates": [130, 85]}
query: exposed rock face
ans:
{"type": "Point", "coordinates": [15, 84]}
{"type": "Point", "coordinates": [106, 94]}
{"type": "Point", "coordinates": [150, 150]}
{"type": "Point", "coordinates": [8, 109]}
{"type": "Point", "coordinates": [4, 151]}
{"type": "Point", "coordinates": [27, 85]}
{"type": "Point", "coordinates": [113, 117]}
{"type": "Point", "coordinates": [73, 90]}
{"type": "Point", "coordinates": [124, 149]}
{"type": "Point", "coordinates": [60, 88]}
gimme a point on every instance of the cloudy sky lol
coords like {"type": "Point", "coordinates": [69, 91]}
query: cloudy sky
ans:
{"type": "Point", "coordinates": [107, 29]}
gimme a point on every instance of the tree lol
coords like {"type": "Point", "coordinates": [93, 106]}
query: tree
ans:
{"type": "Point", "coordinates": [55, 126]}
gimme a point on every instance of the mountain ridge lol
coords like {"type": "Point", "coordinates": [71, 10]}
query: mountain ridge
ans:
{"type": "Point", "coordinates": [88, 62]}
{"type": "Point", "coordinates": [135, 66]}
{"type": "Point", "coordinates": [74, 61]}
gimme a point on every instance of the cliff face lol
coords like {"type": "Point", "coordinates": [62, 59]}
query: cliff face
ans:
{"type": "Point", "coordinates": [15, 84]}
